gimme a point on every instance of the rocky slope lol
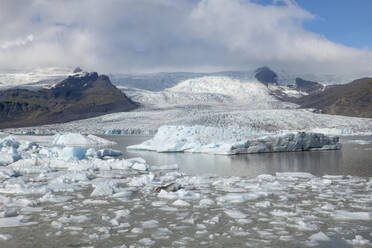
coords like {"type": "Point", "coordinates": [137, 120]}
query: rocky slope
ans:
{"type": "Point", "coordinates": [308, 86]}
{"type": "Point", "coordinates": [80, 96]}
{"type": "Point", "coordinates": [353, 99]}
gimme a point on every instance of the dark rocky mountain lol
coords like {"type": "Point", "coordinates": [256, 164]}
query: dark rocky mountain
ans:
{"type": "Point", "coordinates": [80, 96]}
{"type": "Point", "coordinates": [352, 99]}
{"type": "Point", "coordinates": [307, 86]}
{"type": "Point", "coordinates": [77, 70]}
{"type": "Point", "coordinates": [266, 76]}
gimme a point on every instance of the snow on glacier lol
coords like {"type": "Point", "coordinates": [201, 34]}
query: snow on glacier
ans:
{"type": "Point", "coordinates": [217, 101]}
{"type": "Point", "coordinates": [213, 140]}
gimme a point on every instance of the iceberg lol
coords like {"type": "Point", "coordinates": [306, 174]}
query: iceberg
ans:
{"type": "Point", "coordinates": [8, 151]}
{"type": "Point", "coordinates": [226, 141]}
{"type": "Point", "coordinates": [77, 139]}
{"type": "Point", "coordinates": [8, 157]}
{"type": "Point", "coordinates": [71, 153]}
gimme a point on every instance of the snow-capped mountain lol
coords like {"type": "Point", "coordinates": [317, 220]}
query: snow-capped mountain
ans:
{"type": "Point", "coordinates": [159, 81]}
{"type": "Point", "coordinates": [164, 80]}
{"type": "Point", "coordinates": [211, 90]}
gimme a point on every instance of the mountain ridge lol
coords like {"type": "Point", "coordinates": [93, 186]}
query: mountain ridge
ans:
{"type": "Point", "coordinates": [81, 95]}
{"type": "Point", "coordinates": [352, 99]}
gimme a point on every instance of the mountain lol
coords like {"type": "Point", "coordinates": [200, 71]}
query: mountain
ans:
{"type": "Point", "coordinates": [352, 99]}
{"type": "Point", "coordinates": [308, 86]}
{"type": "Point", "coordinates": [81, 95]}
{"type": "Point", "coordinates": [266, 76]}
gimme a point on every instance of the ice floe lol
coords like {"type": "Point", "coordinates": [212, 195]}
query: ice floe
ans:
{"type": "Point", "coordinates": [77, 139]}
{"type": "Point", "coordinates": [93, 199]}
{"type": "Point", "coordinates": [213, 140]}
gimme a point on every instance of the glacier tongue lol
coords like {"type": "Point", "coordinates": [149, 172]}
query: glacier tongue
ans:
{"type": "Point", "coordinates": [212, 140]}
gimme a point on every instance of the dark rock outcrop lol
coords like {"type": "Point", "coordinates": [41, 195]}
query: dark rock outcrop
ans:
{"type": "Point", "coordinates": [77, 70]}
{"type": "Point", "coordinates": [307, 86]}
{"type": "Point", "coordinates": [79, 96]}
{"type": "Point", "coordinates": [266, 76]}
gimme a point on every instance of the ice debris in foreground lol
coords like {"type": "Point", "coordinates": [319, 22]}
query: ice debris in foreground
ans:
{"type": "Point", "coordinates": [202, 139]}
{"type": "Point", "coordinates": [97, 201]}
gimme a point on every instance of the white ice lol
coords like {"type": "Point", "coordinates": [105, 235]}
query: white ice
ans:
{"type": "Point", "coordinates": [77, 139]}
{"type": "Point", "coordinates": [226, 141]}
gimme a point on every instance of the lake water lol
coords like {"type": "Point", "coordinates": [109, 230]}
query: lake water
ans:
{"type": "Point", "coordinates": [355, 158]}
{"type": "Point", "coordinates": [56, 207]}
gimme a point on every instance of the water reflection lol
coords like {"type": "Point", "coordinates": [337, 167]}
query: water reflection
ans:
{"type": "Point", "coordinates": [353, 159]}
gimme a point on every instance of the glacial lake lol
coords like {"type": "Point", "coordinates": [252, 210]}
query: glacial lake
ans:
{"type": "Point", "coordinates": [57, 207]}
{"type": "Point", "coordinates": [355, 158]}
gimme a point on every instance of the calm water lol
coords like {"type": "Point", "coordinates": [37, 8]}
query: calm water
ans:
{"type": "Point", "coordinates": [353, 159]}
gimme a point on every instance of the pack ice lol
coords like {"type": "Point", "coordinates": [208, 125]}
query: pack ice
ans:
{"type": "Point", "coordinates": [226, 141]}
{"type": "Point", "coordinates": [85, 199]}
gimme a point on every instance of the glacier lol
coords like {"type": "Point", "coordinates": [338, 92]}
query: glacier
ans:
{"type": "Point", "coordinates": [72, 186]}
{"type": "Point", "coordinates": [203, 139]}
{"type": "Point", "coordinates": [216, 100]}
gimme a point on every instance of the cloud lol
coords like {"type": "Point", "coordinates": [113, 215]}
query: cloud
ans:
{"type": "Point", "coordinates": [167, 35]}
{"type": "Point", "coordinates": [17, 42]}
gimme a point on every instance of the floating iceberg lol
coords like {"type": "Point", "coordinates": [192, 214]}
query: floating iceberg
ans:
{"type": "Point", "coordinates": [8, 151]}
{"type": "Point", "coordinates": [77, 139]}
{"type": "Point", "coordinates": [157, 202]}
{"type": "Point", "coordinates": [201, 139]}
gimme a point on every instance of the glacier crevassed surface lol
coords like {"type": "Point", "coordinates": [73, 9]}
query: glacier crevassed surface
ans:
{"type": "Point", "coordinates": [201, 139]}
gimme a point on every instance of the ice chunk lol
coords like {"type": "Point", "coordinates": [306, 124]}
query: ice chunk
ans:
{"type": "Point", "coordinates": [10, 212]}
{"type": "Point", "coordinates": [294, 174]}
{"type": "Point", "coordinates": [228, 141]}
{"type": "Point", "coordinates": [165, 167]}
{"type": "Point", "coordinates": [180, 203]}
{"type": "Point", "coordinates": [71, 153]}
{"type": "Point", "coordinates": [206, 202]}
{"type": "Point", "coordinates": [180, 194]}
{"type": "Point", "coordinates": [146, 242]}
{"type": "Point", "coordinates": [120, 214]}
{"type": "Point", "coordinates": [243, 197]}
{"type": "Point", "coordinates": [141, 180]}
{"type": "Point", "coordinates": [5, 236]}
{"type": "Point", "coordinates": [359, 241]}
{"type": "Point", "coordinates": [346, 215]}
{"type": "Point", "coordinates": [320, 236]}
{"type": "Point", "coordinates": [8, 157]}
{"type": "Point", "coordinates": [77, 139]}
{"type": "Point", "coordinates": [19, 220]}
{"type": "Point", "coordinates": [9, 141]}
{"type": "Point", "coordinates": [150, 224]}
{"type": "Point", "coordinates": [73, 218]}
{"type": "Point", "coordinates": [141, 167]}
{"type": "Point", "coordinates": [235, 214]}
{"type": "Point", "coordinates": [108, 153]}
{"type": "Point", "coordinates": [104, 187]}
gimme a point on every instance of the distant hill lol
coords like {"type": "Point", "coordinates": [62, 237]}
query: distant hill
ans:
{"type": "Point", "coordinates": [352, 99]}
{"type": "Point", "coordinates": [80, 96]}
{"type": "Point", "coordinates": [307, 86]}
{"type": "Point", "coordinates": [266, 76]}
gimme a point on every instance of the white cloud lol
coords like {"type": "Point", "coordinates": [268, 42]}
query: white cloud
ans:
{"type": "Point", "coordinates": [17, 42]}
{"type": "Point", "coordinates": [153, 35]}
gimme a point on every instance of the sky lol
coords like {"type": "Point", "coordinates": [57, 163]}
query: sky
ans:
{"type": "Point", "coordinates": [312, 36]}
